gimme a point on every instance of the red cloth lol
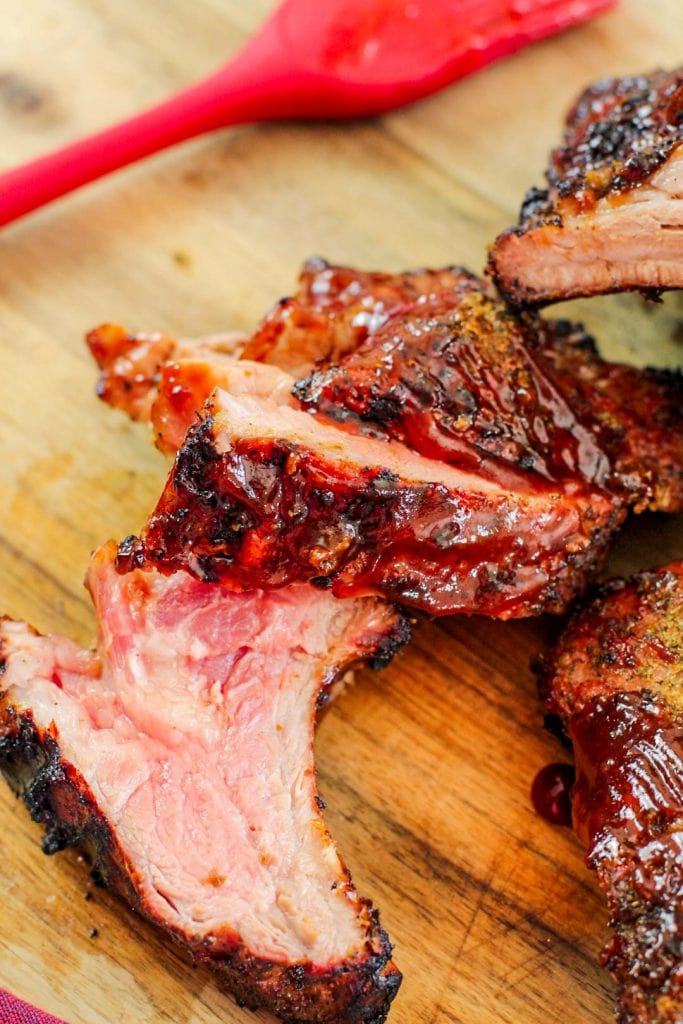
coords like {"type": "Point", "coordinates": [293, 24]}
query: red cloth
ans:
{"type": "Point", "coordinates": [13, 1011]}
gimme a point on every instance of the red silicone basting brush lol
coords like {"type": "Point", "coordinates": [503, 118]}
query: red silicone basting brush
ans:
{"type": "Point", "coordinates": [324, 59]}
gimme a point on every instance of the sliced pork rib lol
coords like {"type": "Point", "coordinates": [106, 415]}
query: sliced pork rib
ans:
{"type": "Point", "coordinates": [611, 218]}
{"type": "Point", "coordinates": [454, 374]}
{"type": "Point", "coordinates": [616, 680]}
{"type": "Point", "coordinates": [533, 448]}
{"type": "Point", "coordinates": [336, 308]}
{"type": "Point", "coordinates": [263, 495]}
{"type": "Point", "coordinates": [180, 755]}
{"type": "Point", "coordinates": [185, 384]}
{"type": "Point", "coordinates": [153, 376]}
{"type": "Point", "coordinates": [131, 363]}
{"type": "Point", "coordinates": [166, 382]}
{"type": "Point", "coordinates": [471, 383]}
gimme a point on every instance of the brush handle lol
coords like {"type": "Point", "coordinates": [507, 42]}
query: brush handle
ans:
{"type": "Point", "coordinates": [246, 90]}
{"type": "Point", "coordinates": [307, 61]}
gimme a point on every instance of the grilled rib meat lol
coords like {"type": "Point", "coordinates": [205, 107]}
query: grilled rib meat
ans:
{"type": "Point", "coordinates": [180, 755]}
{"type": "Point", "coordinates": [551, 442]}
{"type": "Point", "coordinates": [474, 384]}
{"type": "Point", "coordinates": [131, 363]}
{"type": "Point", "coordinates": [262, 495]}
{"type": "Point", "coordinates": [456, 376]}
{"type": "Point", "coordinates": [152, 377]}
{"type": "Point", "coordinates": [184, 385]}
{"type": "Point", "coordinates": [158, 378]}
{"type": "Point", "coordinates": [616, 680]}
{"type": "Point", "coordinates": [610, 218]}
{"type": "Point", "coordinates": [336, 308]}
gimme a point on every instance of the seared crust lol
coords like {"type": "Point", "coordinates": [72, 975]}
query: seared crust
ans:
{"type": "Point", "coordinates": [461, 382]}
{"type": "Point", "coordinates": [131, 364]}
{"type": "Point", "coordinates": [268, 512]}
{"type": "Point", "coordinates": [616, 680]}
{"type": "Point", "coordinates": [628, 804]}
{"type": "Point", "coordinates": [336, 308]}
{"type": "Point", "coordinates": [356, 990]}
{"type": "Point", "coordinates": [466, 380]}
{"type": "Point", "coordinates": [587, 232]}
{"type": "Point", "coordinates": [627, 639]}
{"type": "Point", "coordinates": [635, 416]}
{"type": "Point", "coordinates": [618, 133]}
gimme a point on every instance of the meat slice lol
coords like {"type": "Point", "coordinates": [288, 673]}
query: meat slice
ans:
{"type": "Point", "coordinates": [616, 680]}
{"type": "Point", "coordinates": [636, 417]}
{"type": "Point", "coordinates": [611, 218]}
{"type": "Point", "coordinates": [533, 449]}
{"type": "Point", "coordinates": [456, 376]}
{"type": "Point", "coordinates": [336, 308]}
{"type": "Point", "coordinates": [263, 495]}
{"type": "Point", "coordinates": [185, 384]}
{"type": "Point", "coordinates": [158, 378]}
{"type": "Point", "coordinates": [154, 378]}
{"type": "Point", "coordinates": [179, 754]}
{"type": "Point", "coordinates": [131, 363]}
{"type": "Point", "coordinates": [489, 391]}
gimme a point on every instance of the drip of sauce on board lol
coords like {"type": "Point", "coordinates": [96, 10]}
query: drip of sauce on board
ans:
{"type": "Point", "coordinates": [551, 793]}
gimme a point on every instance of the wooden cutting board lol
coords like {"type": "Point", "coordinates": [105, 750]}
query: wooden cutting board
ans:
{"type": "Point", "coordinates": [426, 767]}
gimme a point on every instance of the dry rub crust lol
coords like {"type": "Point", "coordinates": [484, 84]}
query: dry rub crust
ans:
{"type": "Point", "coordinates": [619, 132]}
{"type": "Point", "coordinates": [589, 231]}
{"type": "Point", "coordinates": [355, 991]}
{"type": "Point", "coordinates": [616, 680]}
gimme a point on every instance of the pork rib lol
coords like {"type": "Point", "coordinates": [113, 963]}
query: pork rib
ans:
{"type": "Point", "coordinates": [456, 376]}
{"type": "Point", "coordinates": [131, 364]}
{"type": "Point", "coordinates": [611, 218]}
{"type": "Point", "coordinates": [157, 378]}
{"type": "Point", "coordinates": [470, 382]}
{"type": "Point", "coordinates": [263, 495]}
{"type": "Point", "coordinates": [336, 308]}
{"type": "Point", "coordinates": [616, 680]}
{"type": "Point", "coordinates": [180, 755]}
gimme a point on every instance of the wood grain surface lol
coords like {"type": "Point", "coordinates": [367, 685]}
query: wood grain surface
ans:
{"type": "Point", "coordinates": [426, 767]}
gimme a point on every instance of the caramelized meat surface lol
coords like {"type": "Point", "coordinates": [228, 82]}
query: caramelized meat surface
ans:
{"type": "Point", "coordinates": [131, 364]}
{"type": "Point", "coordinates": [336, 308]}
{"type": "Point", "coordinates": [533, 449]}
{"type": "Point", "coordinates": [474, 384]}
{"type": "Point", "coordinates": [179, 754]}
{"type": "Point", "coordinates": [165, 382]}
{"type": "Point", "coordinates": [616, 680]}
{"type": "Point", "coordinates": [158, 378]}
{"type": "Point", "coordinates": [457, 376]}
{"type": "Point", "coordinates": [262, 495]}
{"type": "Point", "coordinates": [634, 415]}
{"type": "Point", "coordinates": [610, 218]}
{"type": "Point", "coordinates": [185, 384]}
